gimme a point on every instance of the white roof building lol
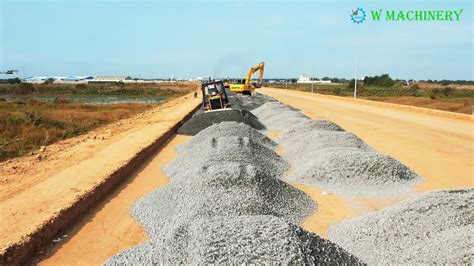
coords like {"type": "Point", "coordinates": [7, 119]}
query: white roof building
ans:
{"type": "Point", "coordinates": [307, 80]}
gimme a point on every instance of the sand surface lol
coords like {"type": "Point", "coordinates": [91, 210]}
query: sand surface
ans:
{"type": "Point", "coordinates": [33, 192]}
{"type": "Point", "coordinates": [109, 228]}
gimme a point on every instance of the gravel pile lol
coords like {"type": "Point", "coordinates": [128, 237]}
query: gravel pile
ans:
{"type": "Point", "coordinates": [237, 240]}
{"type": "Point", "coordinates": [248, 102]}
{"type": "Point", "coordinates": [355, 172]}
{"type": "Point", "coordinates": [228, 129]}
{"type": "Point", "coordinates": [226, 204]}
{"type": "Point", "coordinates": [225, 189]}
{"type": "Point", "coordinates": [201, 120]}
{"type": "Point", "coordinates": [296, 148]}
{"type": "Point", "coordinates": [278, 117]}
{"type": "Point", "coordinates": [326, 156]}
{"type": "Point", "coordinates": [308, 126]}
{"type": "Point", "coordinates": [431, 228]}
{"type": "Point", "coordinates": [217, 150]}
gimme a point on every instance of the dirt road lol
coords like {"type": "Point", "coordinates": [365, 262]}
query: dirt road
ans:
{"type": "Point", "coordinates": [436, 145]}
{"type": "Point", "coordinates": [34, 193]}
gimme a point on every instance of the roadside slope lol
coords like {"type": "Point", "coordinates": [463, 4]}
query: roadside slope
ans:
{"type": "Point", "coordinates": [437, 145]}
{"type": "Point", "coordinates": [27, 211]}
{"type": "Point", "coordinates": [109, 228]}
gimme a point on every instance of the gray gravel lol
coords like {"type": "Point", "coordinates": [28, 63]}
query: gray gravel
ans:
{"type": "Point", "coordinates": [227, 129]}
{"type": "Point", "coordinates": [308, 126]}
{"type": "Point", "coordinates": [248, 102]}
{"type": "Point", "coordinates": [237, 240]}
{"type": "Point", "coordinates": [226, 204]}
{"type": "Point", "coordinates": [202, 120]}
{"type": "Point", "coordinates": [228, 189]}
{"type": "Point", "coordinates": [227, 149]}
{"type": "Point", "coordinates": [325, 155]}
{"type": "Point", "coordinates": [355, 172]}
{"type": "Point", "coordinates": [432, 228]}
{"type": "Point", "coordinates": [277, 116]}
{"type": "Point", "coordinates": [296, 148]}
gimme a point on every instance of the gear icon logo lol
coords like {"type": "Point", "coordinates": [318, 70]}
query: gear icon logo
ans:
{"type": "Point", "coordinates": [358, 15]}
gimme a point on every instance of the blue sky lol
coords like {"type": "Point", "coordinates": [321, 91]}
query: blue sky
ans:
{"type": "Point", "coordinates": [224, 38]}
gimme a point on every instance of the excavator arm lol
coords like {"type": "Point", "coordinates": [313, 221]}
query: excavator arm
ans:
{"type": "Point", "coordinates": [248, 78]}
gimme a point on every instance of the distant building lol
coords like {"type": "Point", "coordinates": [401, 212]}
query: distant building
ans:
{"type": "Point", "coordinates": [108, 79]}
{"type": "Point", "coordinates": [307, 80]}
{"type": "Point", "coordinates": [69, 79]}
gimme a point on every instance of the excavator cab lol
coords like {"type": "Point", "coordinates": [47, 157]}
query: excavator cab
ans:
{"type": "Point", "coordinates": [214, 96]}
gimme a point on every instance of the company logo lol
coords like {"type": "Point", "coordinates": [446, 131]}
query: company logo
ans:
{"type": "Point", "coordinates": [358, 15]}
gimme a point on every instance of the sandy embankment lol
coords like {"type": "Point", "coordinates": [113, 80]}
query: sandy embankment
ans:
{"type": "Point", "coordinates": [38, 197]}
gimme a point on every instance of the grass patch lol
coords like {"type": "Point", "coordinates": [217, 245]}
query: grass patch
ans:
{"type": "Point", "coordinates": [28, 125]}
{"type": "Point", "coordinates": [115, 89]}
{"type": "Point", "coordinates": [444, 98]}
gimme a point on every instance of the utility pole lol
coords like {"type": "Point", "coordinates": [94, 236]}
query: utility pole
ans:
{"type": "Point", "coordinates": [312, 81]}
{"type": "Point", "coordinates": [355, 81]}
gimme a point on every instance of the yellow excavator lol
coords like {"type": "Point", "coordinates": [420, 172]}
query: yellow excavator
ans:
{"type": "Point", "coordinates": [246, 87]}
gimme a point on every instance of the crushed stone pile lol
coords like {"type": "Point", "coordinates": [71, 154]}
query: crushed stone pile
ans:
{"type": "Point", "coordinates": [308, 126]}
{"type": "Point", "coordinates": [278, 117]}
{"type": "Point", "coordinates": [432, 228]}
{"type": "Point", "coordinates": [248, 102]}
{"type": "Point", "coordinates": [229, 189]}
{"type": "Point", "coordinates": [355, 172]}
{"type": "Point", "coordinates": [217, 150]}
{"type": "Point", "coordinates": [202, 120]}
{"type": "Point", "coordinates": [325, 155]}
{"type": "Point", "coordinates": [297, 147]}
{"type": "Point", "coordinates": [226, 204]}
{"type": "Point", "coordinates": [228, 129]}
{"type": "Point", "coordinates": [237, 240]}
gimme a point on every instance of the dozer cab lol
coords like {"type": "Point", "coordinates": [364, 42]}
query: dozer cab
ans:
{"type": "Point", "coordinates": [245, 86]}
{"type": "Point", "coordinates": [214, 96]}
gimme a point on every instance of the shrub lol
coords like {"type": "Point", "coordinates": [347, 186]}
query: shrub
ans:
{"type": "Point", "coordinates": [49, 81]}
{"type": "Point", "coordinates": [14, 81]}
{"type": "Point", "coordinates": [61, 99]}
{"type": "Point", "coordinates": [81, 86]}
{"type": "Point", "coordinates": [447, 91]}
{"type": "Point", "coordinates": [434, 93]}
{"type": "Point", "coordinates": [414, 90]}
{"type": "Point", "coordinates": [415, 87]}
{"type": "Point", "coordinates": [25, 88]}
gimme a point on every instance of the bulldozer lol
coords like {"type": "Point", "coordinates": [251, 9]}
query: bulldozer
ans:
{"type": "Point", "coordinates": [214, 96]}
{"type": "Point", "coordinates": [245, 86]}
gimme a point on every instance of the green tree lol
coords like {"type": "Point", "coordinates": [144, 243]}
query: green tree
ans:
{"type": "Point", "coordinates": [383, 80]}
{"type": "Point", "coordinates": [49, 81]}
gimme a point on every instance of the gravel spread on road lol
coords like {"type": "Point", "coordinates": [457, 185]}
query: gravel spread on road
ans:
{"type": "Point", "coordinates": [227, 204]}
{"type": "Point", "coordinates": [202, 120]}
{"type": "Point", "coordinates": [326, 156]}
{"type": "Point", "coordinates": [256, 239]}
{"type": "Point", "coordinates": [228, 129]}
{"type": "Point", "coordinates": [432, 228]}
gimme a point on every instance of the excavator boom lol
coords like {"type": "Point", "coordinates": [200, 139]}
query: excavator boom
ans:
{"type": "Point", "coordinates": [248, 78]}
